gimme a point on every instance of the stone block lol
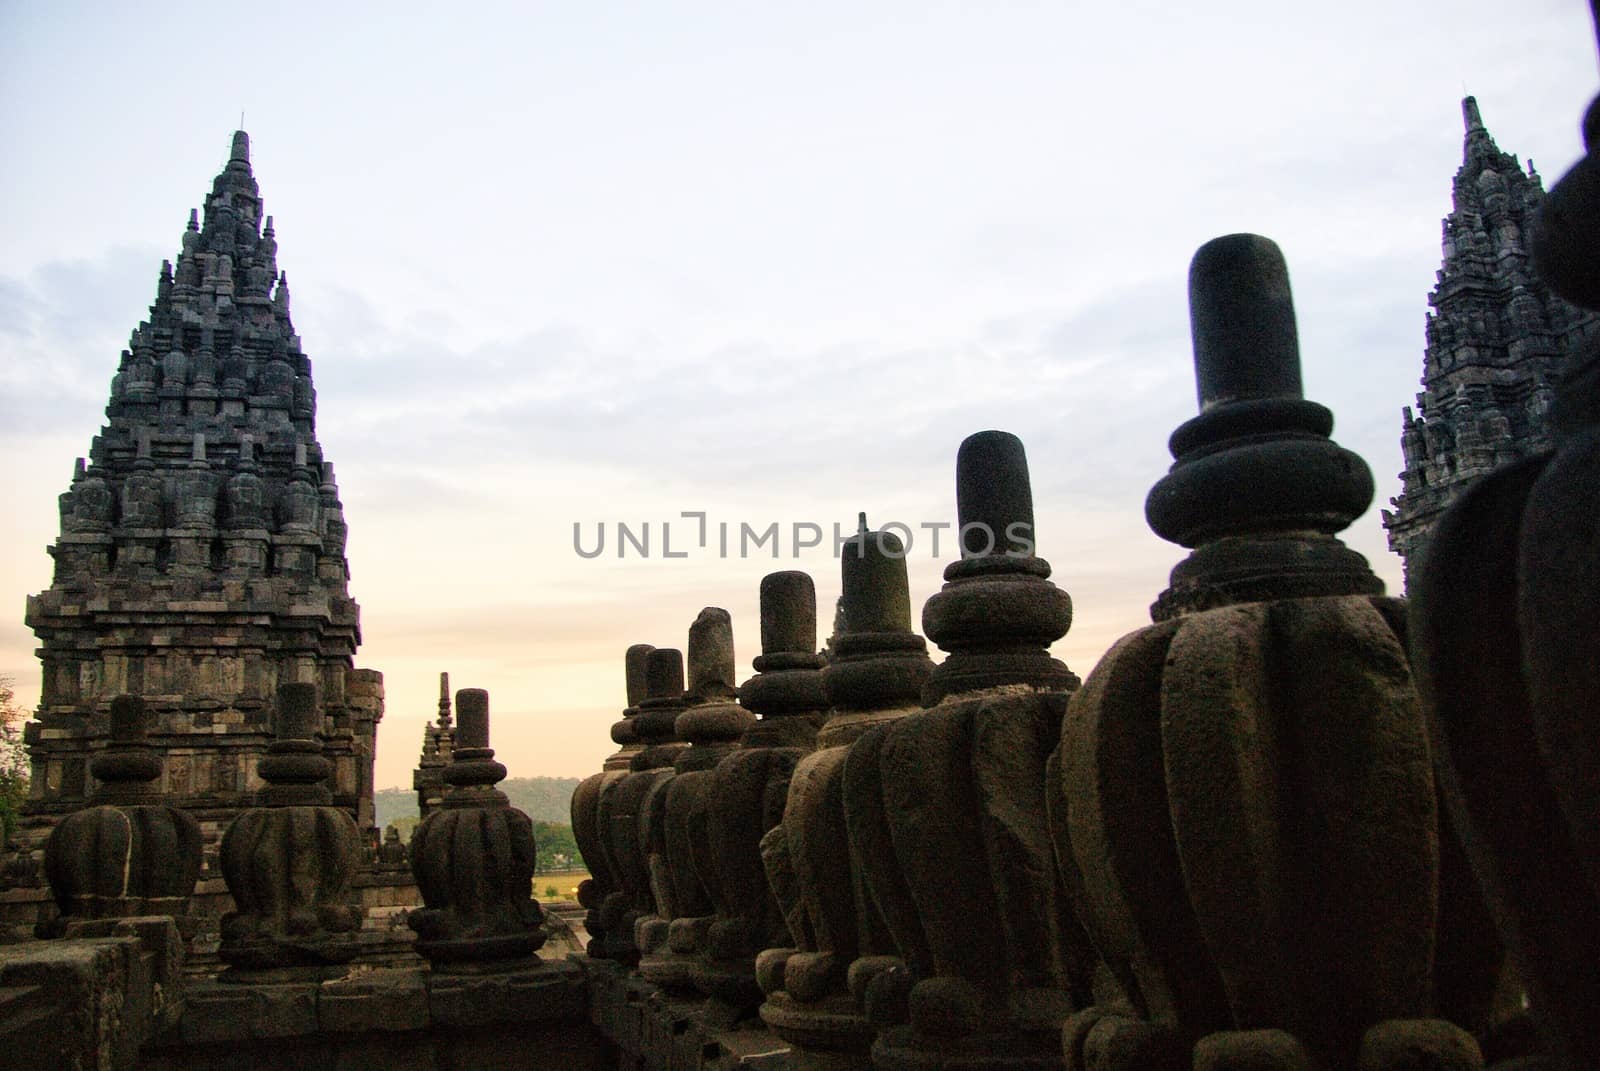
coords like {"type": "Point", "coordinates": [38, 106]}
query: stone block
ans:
{"type": "Point", "coordinates": [236, 1011]}
{"type": "Point", "coordinates": [75, 1004]}
{"type": "Point", "coordinates": [368, 999]}
{"type": "Point", "coordinates": [542, 992]}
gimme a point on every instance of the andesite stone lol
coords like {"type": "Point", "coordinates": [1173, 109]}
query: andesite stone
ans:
{"type": "Point", "coordinates": [745, 795]}
{"type": "Point", "coordinates": [946, 807]}
{"type": "Point", "coordinates": [201, 559]}
{"type": "Point", "coordinates": [128, 853]}
{"type": "Point", "coordinates": [876, 673]}
{"type": "Point", "coordinates": [474, 859]}
{"type": "Point", "coordinates": [1244, 808]}
{"type": "Point", "coordinates": [289, 861]}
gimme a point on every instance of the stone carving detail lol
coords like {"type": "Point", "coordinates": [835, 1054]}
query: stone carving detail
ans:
{"type": "Point", "coordinates": [1503, 624]}
{"type": "Point", "coordinates": [603, 886]}
{"type": "Point", "coordinates": [747, 791]}
{"type": "Point", "coordinates": [876, 673]}
{"type": "Point", "coordinates": [474, 857]}
{"type": "Point", "coordinates": [1246, 817]}
{"type": "Point", "coordinates": [946, 807]}
{"type": "Point", "coordinates": [289, 861]}
{"type": "Point", "coordinates": [127, 853]}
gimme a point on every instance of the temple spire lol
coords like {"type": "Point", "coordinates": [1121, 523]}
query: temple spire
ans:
{"type": "Point", "coordinates": [210, 424]}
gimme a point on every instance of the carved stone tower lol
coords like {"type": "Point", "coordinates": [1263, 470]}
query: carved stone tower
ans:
{"type": "Point", "coordinates": [1495, 338]}
{"type": "Point", "coordinates": [201, 561]}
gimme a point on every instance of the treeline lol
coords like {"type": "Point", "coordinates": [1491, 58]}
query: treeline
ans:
{"type": "Point", "coordinates": [546, 800]}
{"type": "Point", "coordinates": [543, 799]}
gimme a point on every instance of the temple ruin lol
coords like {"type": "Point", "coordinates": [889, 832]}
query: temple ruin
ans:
{"type": "Point", "coordinates": [1293, 824]}
{"type": "Point", "coordinates": [201, 560]}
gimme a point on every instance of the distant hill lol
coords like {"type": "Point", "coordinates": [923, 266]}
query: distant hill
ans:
{"type": "Point", "coordinates": [544, 799]}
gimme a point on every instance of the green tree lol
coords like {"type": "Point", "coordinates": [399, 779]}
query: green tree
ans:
{"type": "Point", "coordinates": [13, 760]}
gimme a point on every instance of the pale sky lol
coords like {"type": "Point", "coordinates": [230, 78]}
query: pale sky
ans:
{"type": "Point", "coordinates": [772, 262]}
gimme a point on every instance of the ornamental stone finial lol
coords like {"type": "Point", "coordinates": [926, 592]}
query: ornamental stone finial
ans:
{"type": "Point", "coordinates": [1271, 696]}
{"type": "Point", "coordinates": [126, 854]}
{"type": "Point", "coordinates": [1256, 488]}
{"type": "Point", "coordinates": [474, 858]}
{"type": "Point", "coordinates": [289, 860]}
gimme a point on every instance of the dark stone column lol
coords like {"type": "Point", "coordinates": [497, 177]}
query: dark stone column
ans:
{"type": "Point", "coordinates": [946, 807]}
{"type": "Point", "coordinates": [127, 853]}
{"type": "Point", "coordinates": [289, 860]}
{"type": "Point", "coordinates": [1245, 813]}
{"type": "Point", "coordinates": [474, 858]}
{"type": "Point", "coordinates": [877, 673]}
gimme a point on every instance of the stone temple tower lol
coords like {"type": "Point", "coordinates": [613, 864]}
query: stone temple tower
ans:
{"type": "Point", "coordinates": [1495, 337]}
{"type": "Point", "coordinates": [201, 560]}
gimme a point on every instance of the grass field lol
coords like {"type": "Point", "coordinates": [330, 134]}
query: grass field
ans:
{"type": "Point", "coordinates": [565, 883]}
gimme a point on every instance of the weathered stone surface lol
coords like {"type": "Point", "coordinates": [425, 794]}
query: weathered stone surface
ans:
{"type": "Point", "coordinates": [81, 1003]}
{"type": "Point", "coordinates": [201, 559]}
{"type": "Point", "coordinates": [1247, 811]}
{"type": "Point", "coordinates": [220, 1011]}
{"type": "Point", "coordinates": [289, 862]}
{"type": "Point", "coordinates": [126, 854]}
{"type": "Point", "coordinates": [474, 858]}
{"type": "Point", "coordinates": [549, 991]}
{"type": "Point", "coordinates": [1503, 626]}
